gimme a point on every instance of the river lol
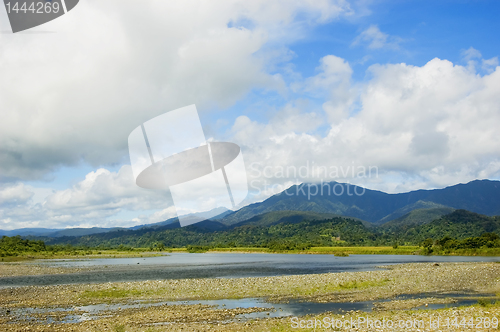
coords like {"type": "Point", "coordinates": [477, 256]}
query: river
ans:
{"type": "Point", "coordinates": [218, 265]}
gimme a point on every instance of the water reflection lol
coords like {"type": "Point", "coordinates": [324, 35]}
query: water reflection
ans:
{"type": "Point", "coordinates": [292, 308]}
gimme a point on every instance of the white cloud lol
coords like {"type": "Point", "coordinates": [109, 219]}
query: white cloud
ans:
{"type": "Point", "coordinates": [76, 94]}
{"type": "Point", "coordinates": [376, 39]}
{"type": "Point", "coordinates": [489, 65]}
{"type": "Point", "coordinates": [107, 192]}
{"type": "Point", "coordinates": [333, 82]}
{"type": "Point", "coordinates": [471, 53]}
{"type": "Point", "coordinates": [94, 201]}
{"type": "Point", "coordinates": [428, 126]}
{"type": "Point", "coordinates": [472, 57]}
{"type": "Point", "coordinates": [420, 127]}
{"type": "Point", "coordinates": [15, 194]}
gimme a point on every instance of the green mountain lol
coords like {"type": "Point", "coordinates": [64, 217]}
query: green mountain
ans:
{"type": "Point", "coordinates": [297, 228]}
{"type": "Point", "coordinates": [277, 217]}
{"type": "Point", "coordinates": [402, 213]}
{"type": "Point", "coordinates": [283, 226]}
{"type": "Point", "coordinates": [459, 224]}
{"type": "Point", "coordinates": [414, 218]}
{"type": "Point", "coordinates": [480, 196]}
{"type": "Point", "coordinates": [395, 214]}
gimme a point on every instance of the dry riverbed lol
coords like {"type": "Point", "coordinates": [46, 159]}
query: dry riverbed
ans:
{"type": "Point", "coordinates": [348, 287]}
{"type": "Point", "coordinates": [23, 269]}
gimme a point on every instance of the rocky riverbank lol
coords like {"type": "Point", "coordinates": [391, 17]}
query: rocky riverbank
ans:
{"type": "Point", "coordinates": [348, 287]}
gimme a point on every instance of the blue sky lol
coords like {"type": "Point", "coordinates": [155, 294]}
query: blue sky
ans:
{"type": "Point", "coordinates": [426, 29]}
{"type": "Point", "coordinates": [410, 87]}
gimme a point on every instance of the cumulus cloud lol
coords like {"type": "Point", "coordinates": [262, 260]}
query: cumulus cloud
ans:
{"type": "Point", "coordinates": [62, 94]}
{"type": "Point", "coordinates": [76, 94]}
{"type": "Point", "coordinates": [105, 190]}
{"type": "Point", "coordinates": [428, 126]}
{"type": "Point", "coordinates": [333, 82]}
{"type": "Point", "coordinates": [416, 127]}
{"type": "Point", "coordinates": [15, 194]}
{"type": "Point", "coordinates": [473, 58]}
{"type": "Point", "coordinates": [94, 201]}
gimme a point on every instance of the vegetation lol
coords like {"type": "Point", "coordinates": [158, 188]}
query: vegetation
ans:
{"type": "Point", "coordinates": [11, 246]}
{"type": "Point", "coordinates": [113, 292]}
{"type": "Point", "coordinates": [206, 235]}
{"type": "Point", "coordinates": [470, 245]}
{"type": "Point", "coordinates": [16, 248]}
{"type": "Point", "coordinates": [460, 232]}
{"type": "Point", "coordinates": [459, 224]}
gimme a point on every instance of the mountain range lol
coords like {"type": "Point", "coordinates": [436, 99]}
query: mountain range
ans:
{"type": "Point", "coordinates": [388, 213]}
{"type": "Point", "coordinates": [480, 196]}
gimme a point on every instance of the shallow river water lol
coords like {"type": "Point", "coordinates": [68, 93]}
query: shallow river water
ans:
{"type": "Point", "coordinates": [217, 265]}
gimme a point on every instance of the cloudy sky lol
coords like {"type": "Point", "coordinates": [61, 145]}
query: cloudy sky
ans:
{"type": "Point", "coordinates": [411, 88]}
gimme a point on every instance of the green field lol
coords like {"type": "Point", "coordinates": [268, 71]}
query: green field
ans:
{"type": "Point", "coordinates": [345, 251]}
{"type": "Point", "coordinates": [16, 248]}
{"type": "Point", "coordinates": [401, 250]}
{"type": "Point", "coordinates": [79, 253]}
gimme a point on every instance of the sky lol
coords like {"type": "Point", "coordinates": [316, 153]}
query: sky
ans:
{"type": "Point", "coordinates": [409, 90]}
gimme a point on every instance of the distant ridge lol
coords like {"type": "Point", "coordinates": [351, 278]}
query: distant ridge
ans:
{"type": "Point", "coordinates": [375, 207]}
{"type": "Point", "coordinates": [277, 217]}
{"type": "Point", "coordinates": [407, 210]}
{"type": "Point", "coordinates": [459, 224]}
{"type": "Point", "coordinates": [480, 196]}
{"type": "Point", "coordinates": [294, 228]}
{"type": "Point", "coordinates": [414, 218]}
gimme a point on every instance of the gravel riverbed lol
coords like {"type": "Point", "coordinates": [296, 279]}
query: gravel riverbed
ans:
{"type": "Point", "coordinates": [474, 278]}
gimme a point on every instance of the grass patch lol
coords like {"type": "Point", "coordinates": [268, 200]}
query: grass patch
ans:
{"type": "Point", "coordinates": [23, 256]}
{"type": "Point", "coordinates": [240, 249]}
{"type": "Point", "coordinates": [468, 252]}
{"type": "Point", "coordinates": [112, 293]}
{"type": "Point", "coordinates": [119, 328]}
{"type": "Point", "coordinates": [361, 284]}
{"type": "Point", "coordinates": [15, 259]}
{"type": "Point", "coordinates": [176, 249]}
{"type": "Point", "coordinates": [400, 250]}
{"type": "Point", "coordinates": [487, 303]}
{"type": "Point", "coordinates": [332, 288]}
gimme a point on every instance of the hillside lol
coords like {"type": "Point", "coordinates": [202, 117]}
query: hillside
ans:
{"type": "Point", "coordinates": [459, 224]}
{"type": "Point", "coordinates": [319, 232]}
{"type": "Point", "coordinates": [300, 228]}
{"type": "Point", "coordinates": [402, 213]}
{"type": "Point", "coordinates": [395, 214]}
{"type": "Point", "coordinates": [414, 218]}
{"type": "Point", "coordinates": [276, 217]}
{"type": "Point", "coordinates": [480, 196]}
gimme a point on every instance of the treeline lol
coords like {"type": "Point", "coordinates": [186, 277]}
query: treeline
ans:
{"type": "Point", "coordinates": [338, 231]}
{"type": "Point", "coordinates": [210, 234]}
{"type": "Point", "coordinates": [16, 245]}
{"type": "Point", "coordinates": [459, 230]}
{"type": "Point", "coordinates": [447, 244]}
{"type": "Point", "coordinates": [277, 246]}
{"type": "Point", "coordinates": [460, 224]}
{"type": "Point", "coordinates": [11, 246]}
